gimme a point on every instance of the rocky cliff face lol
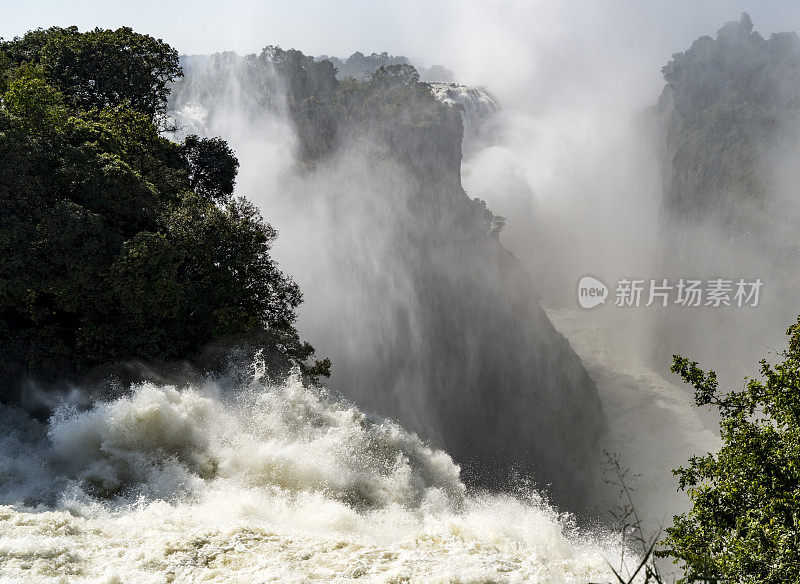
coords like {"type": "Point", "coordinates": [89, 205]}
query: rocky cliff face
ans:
{"type": "Point", "coordinates": [427, 319]}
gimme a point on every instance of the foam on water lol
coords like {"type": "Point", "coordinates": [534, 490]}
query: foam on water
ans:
{"type": "Point", "coordinates": [261, 484]}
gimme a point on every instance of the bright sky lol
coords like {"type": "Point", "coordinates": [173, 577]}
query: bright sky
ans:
{"type": "Point", "coordinates": [547, 39]}
{"type": "Point", "coordinates": [199, 26]}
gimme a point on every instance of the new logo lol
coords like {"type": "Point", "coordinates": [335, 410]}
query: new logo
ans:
{"type": "Point", "coordinates": [591, 292]}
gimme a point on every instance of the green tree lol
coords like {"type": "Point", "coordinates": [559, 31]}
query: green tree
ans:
{"type": "Point", "coordinates": [302, 75]}
{"type": "Point", "coordinates": [401, 73]}
{"type": "Point", "coordinates": [35, 103]}
{"type": "Point", "coordinates": [117, 243]}
{"type": "Point", "coordinates": [744, 524]}
{"type": "Point", "coordinates": [101, 68]}
{"type": "Point", "coordinates": [212, 167]}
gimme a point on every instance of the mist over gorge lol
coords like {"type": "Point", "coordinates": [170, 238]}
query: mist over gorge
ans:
{"type": "Point", "coordinates": [395, 252]}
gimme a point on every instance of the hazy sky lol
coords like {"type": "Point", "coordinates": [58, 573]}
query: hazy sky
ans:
{"type": "Point", "coordinates": [553, 41]}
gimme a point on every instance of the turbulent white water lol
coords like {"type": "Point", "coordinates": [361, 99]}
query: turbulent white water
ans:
{"type": "Point", "coordinates": [264, 484]}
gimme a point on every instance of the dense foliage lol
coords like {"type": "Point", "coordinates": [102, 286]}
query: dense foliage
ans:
{"type": "Point", "coordinates": [100, 68]}
{"type": "Point", "coordinates": [361, 67]}
{"type": "Point", "coordinates": [117, 243]}
{"type": "Point", "coordinates": [744, 524]}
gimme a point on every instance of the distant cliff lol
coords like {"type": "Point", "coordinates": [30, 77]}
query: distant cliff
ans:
{"type": "Point", "coordinates": [728, 133]}
{"type": "Point", "coordinates": [731, 104]}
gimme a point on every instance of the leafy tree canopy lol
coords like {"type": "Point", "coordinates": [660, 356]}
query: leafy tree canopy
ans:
{"type": "Point", "coordinates": [100, 68]}
{"type": "Point", "coordinates": [304, 76]}
{"type": "Point", "coordinates": [118, 243]}
{"type": "Point", "coordinates": [212, 167]}
{"type": "Point", "coordinates": [389, 74]}
{"type": "Point", "coordinates": [744, 524]}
